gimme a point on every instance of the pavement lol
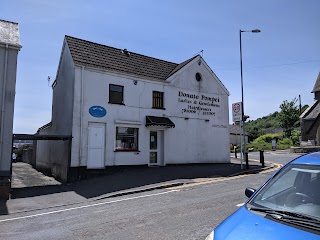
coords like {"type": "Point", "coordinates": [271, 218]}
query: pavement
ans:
{"type": "Point", "coordinates": [31, 190]}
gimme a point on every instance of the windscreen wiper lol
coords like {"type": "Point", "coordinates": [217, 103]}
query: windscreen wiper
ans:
{"type": "Point", "coordinates": [290, 217]}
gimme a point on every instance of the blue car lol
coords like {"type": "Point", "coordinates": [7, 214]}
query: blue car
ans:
{"type": "Point", "coordinates": [287, 206]}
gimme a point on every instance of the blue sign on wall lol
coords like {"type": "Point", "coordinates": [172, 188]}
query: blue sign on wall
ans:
{"type": "Point", "coordinates": [97, 111]}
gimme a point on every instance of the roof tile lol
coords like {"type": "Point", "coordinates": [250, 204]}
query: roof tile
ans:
{"type": "Point", "coordinates": [99, 56]}
{"type": "Point", "coordinates": [235, 129]}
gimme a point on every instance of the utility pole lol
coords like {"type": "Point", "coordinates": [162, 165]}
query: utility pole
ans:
{"type": "Point", "coordinates": [300, 107]}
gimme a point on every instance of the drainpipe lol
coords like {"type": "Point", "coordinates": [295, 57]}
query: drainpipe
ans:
{"type": "Point", "coordinates": [3, 100]}
{"type": "Point", "coordinates": [81, 113]}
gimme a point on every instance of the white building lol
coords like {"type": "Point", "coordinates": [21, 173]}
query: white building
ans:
{"type": "Point", "coordinates": [123, 108]}
{"type": "Point", "coordinates": [236, 135]}
{"type": "Point", "coordinates": [9, 48]}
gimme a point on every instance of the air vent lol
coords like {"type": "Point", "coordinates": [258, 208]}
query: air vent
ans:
{"type": "Point", "coordinates": [198, 77]}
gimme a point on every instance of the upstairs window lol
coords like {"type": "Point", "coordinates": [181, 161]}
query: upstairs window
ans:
{"type": "Point", "coordinates": [115, 94]}
{"type": "Point", "coordinates": [157, 100]}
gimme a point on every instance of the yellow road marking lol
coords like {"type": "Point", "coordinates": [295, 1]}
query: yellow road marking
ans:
{"type": "Point", "coordinates": [222, 179]}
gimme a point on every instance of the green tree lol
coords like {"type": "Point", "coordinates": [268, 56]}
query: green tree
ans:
{"type": "Point", "coordinates": [288, 116]}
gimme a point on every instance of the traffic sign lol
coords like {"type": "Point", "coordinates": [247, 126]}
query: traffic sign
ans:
{"type": "Point", "coordinates": [237, 111]}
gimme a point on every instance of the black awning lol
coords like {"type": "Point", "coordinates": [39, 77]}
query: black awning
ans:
{"type": "Point", "coordinates": [159, 121]}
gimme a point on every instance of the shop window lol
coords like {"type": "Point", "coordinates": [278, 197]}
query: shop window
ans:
{"type": "Point", "coordinates": [157, 100]}
{"type": "Point", "coordinates": [127, 139]}
{"type": "Point", "coordinates": [115, 94]}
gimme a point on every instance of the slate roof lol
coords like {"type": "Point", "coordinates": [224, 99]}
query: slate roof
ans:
{"type": "Point", "coordinates": [312, 112]}
{"type": "Point", "coordinates": [9, 33]}
{"type": "Point", "coordinates": [89, 54]}
{"type": "Point", "coordinates": [316, 87]}
{"type": "Point", "coordinates": [181, 65]}
{"type": "Point", "coordinates": [273, 130]}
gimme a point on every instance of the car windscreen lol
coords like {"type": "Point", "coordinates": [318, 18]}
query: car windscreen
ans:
{"type": "Point", "coordinates": [296, 188]}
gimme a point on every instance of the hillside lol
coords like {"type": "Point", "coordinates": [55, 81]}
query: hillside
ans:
{"type": "Point", "coordinates": [267, 124]}
{"type": "Point", "coordinates": [260, 126]}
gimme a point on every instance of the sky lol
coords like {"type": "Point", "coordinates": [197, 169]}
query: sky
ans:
{"type": "Point", "coordinates": [279, 63]}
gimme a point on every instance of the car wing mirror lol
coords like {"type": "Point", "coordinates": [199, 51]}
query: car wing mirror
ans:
{"type": "Point", "coordinates": [249, 192]}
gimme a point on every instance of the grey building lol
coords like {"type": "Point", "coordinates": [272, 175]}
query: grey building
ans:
{"type": "Point", "coordinates": [235, 135]}
{"type": "Point", "coordinates": [9, 48]}
{"type": "Point", "coordinates": [310, 118]}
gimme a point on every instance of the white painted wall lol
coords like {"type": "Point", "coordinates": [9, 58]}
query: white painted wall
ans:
{"type": "Point", "coordinates": [43, 151]}
{"type": "Point", "coordinates": [8, 69]}
{"type": "Point", "coordinates": [62, 113]}
{"type": "Point", "coordinates": [191, 141]}
{"type": "Point", "coordinates": [235, 139]}
{"type": "Point", "coordinates": [63, 91]}
{"type": "Point", "coordinates": [204, 141]}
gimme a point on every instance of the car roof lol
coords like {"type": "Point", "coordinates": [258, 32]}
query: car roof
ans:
{"type": "Point", "coordinates": [311, 158]}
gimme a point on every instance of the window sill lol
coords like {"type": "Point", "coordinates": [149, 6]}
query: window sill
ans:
{"type": "Point", "coordinates": [126, 150]}
{"type": "Point", "coordinates": [116, 103]}
{"type": "Point", "coordinates": [158, 108]}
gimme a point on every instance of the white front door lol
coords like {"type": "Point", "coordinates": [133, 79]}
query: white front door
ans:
{"type": "Point", "coordinates": [156, 148]}
{"type": "Point", "coordinates": [96, 145]}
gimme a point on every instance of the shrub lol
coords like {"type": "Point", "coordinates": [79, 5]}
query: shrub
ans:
{"type": "Point", "coordinates": [296, 137]}
{"type": "Point", "coordinates": [284, 143]}
{"type": "Point", "coordinates": [264, 142]}
{"type": "Point", "coordinates": [267, 138]}
{"type": "Point", "coordinates": [259, 146]}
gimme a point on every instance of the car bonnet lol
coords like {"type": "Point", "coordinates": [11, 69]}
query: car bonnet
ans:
{"type": "Point", "coordinates": [244, 224]}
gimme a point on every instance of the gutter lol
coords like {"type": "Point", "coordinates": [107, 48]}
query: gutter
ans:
{"type": "Point", "coordinates": [11, 46]}
{"type": "Point", "coordinates": [81, 113]}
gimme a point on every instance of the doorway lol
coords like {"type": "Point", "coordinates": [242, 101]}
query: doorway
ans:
{"type": "Point", "coordinates": [156, 148]}
{"type": "Point", "coordinates": [96, 145]}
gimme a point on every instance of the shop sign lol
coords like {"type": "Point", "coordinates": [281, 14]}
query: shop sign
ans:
{"type": "Point", "coordinates": [199, 103]}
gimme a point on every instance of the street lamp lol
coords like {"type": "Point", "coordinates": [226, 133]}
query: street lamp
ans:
{"type": "Point", "coordinates": [243, 138]}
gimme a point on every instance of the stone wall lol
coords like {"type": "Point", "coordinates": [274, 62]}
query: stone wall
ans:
{"type": "Point", "coordinates": [307, 149]}
{"type": "Point", "coordinates": [27, 156]}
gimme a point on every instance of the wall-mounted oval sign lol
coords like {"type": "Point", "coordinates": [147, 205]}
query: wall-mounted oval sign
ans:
{"type": "Point", "coordinates": [97, 111]}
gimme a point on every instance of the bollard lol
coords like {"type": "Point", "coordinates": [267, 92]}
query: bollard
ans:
{"type": "Point", "coordinates": [235, 152]}
{"type": "Point", "coordinates": [247, 160]}
{"type": "Point", "coordinates": [261, 158]}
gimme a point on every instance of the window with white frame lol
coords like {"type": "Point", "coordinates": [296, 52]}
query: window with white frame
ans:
{"type": "Point", "coordinates": [127, 139]}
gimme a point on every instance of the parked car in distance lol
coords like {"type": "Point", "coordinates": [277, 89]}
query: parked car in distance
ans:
{"type": "Point", "coordinates": [286, 206]}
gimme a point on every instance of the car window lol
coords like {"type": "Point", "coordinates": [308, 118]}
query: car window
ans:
{"type": "Point", "coordinates": [295, 188]}
{"type": "Point", "coordinates": [285, 182]}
